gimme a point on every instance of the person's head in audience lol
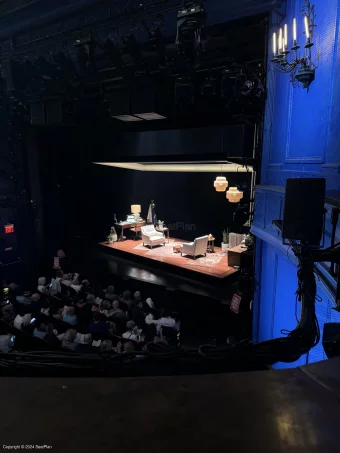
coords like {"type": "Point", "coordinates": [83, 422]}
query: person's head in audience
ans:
{"type": "Point", "coordinates": [88, 338]}
{"type": "Point", "coordinates": [112, 328]}
{"type": "Point", "coordinates": [140, 305]}
{"type": "Point", "coordinates": [115, 305]}
{"type": "Point", "coordinates": [68, 340]}
{"type": "Point", "coordinates": [85, 284]}
{"type": "Point", "coordinates": [41, 281]}
{"type": "Point", "coordinates": [35, 297]}
{"type": "Point", "coordinates": [106, 346]}
{"type": "Point", "coordinates": [149, 301]}
{"type": "Point", "coordinates": [130, 326]}
{"type": "Point", "coordinates": [137, 296]}
{"type": "Point", "coordinates": [95, 308]}
{"type": "Point", "coordinates": [69, 315]}
{"type": "Point", "coordinates": [12, 287]}
{"type": "Point", "coordinates": [129, 346]}
{"type": "Point", "coordinates": [40, 330]}
{"type": "Point", "coordinates": [90, 299]}
{"type": "Point", "coordinates": [127, 296]}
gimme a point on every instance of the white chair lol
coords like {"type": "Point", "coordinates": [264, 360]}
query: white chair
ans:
{"type": "Point", "coordinates": [198, 247]}
{"type": "Point", "coordinates": [152, 237]}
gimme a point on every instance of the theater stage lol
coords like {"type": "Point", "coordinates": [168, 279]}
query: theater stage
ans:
{"type": "Point", "coordinates": [213, 267]}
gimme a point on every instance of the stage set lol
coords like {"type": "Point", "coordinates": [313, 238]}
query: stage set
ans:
{"type": "Point", "coordinates": [197, 253]}
{"type": "Point", "coordinates": [153, 242]}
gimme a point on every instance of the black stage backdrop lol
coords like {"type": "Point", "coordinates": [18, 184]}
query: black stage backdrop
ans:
{"type": "Point", "coordinates": [78, 199]}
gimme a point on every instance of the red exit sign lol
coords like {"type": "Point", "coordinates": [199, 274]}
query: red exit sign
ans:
{"type": "Point", "coordinates": [9, 228]}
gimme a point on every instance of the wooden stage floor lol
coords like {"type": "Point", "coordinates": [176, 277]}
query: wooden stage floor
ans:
{"type": "Point", "coordinates": [213, 265]}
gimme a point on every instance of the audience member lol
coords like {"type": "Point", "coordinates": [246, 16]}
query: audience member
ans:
{"type": "Point", "coordinates": [106, 346]}
{"type": "Point", "coordinates": [86, 346]}
{"type": "Point", "coordinates": [131, 331]}
{"type": "Point", "coordinates": [138, 314]}
{"type": "Point", "coordinates": [69, 340]}
{"type": "Point", "coordinates": [98, 326]}
{"type": "Point", "coordinates": [50, 336]}
{"type": "Point", "coordinates": [106, 308]}
{"type": "Point", "coordinates": [23, 318]}
{"type": "Point", "coordinates": [76, 285]}
{"type": "Point", "coordinates": [21, 298]}
{"type": "Point", "coordinates": [66, 280]}
{"type": "Point", "coordinates": [149, 301]}
{"type": "Point", "coordinates": [137, 297]}
{"type": "Point", "coordinates": [40, 331]}
{"type": "Point", "coordinates": [42, 286]}
{"type": "Point", "coordinates": [8, 312]}
{"type": "Point", "coordinates": [110, 293]}
{"type": "Point", "coordinates": [69, 316]}
{"type": "Point", "coordinates": [127, 298]}
{"type": "Point", "coordinates": [6, 343]}
{"type": "Point", "coordinates": [118, 312]}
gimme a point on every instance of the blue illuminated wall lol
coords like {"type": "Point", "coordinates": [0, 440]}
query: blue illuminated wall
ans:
{"type": "Point", "coordinates": [301, 139]}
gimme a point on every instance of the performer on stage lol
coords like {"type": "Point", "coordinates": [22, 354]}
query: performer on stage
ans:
{"type": "Point", "coordinates": [152, 219]}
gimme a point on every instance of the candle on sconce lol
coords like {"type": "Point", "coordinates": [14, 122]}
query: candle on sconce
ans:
{"type": "Point", "coordinates": [294, 31]}
{"type": "Point", "coordinates": [295, 45]}
{"type": "Point", "coordinates": [280, 41]}
{"type": "Point", "coordinates": [274, 44]}
{"type": "Point", "coordinates": [307, 28]}
{"type": "Point", "coordinates": [285, 45]}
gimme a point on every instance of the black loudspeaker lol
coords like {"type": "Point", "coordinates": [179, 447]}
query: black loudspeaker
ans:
{"type": "Point", "coordinates": [38, 113]}
{"type": "Point", "coordinates": [331, 339]}
{"type": "Point", "coordinates": [304, 207]}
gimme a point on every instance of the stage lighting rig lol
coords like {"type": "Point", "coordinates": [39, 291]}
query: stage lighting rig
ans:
{"type": "Point", "coordinates": [190, 26]}
{"type": "Point", "coordinates": [85, 53]}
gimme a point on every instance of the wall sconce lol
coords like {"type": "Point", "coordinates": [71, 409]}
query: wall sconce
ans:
{"type": "Point", "coordinates": [301, 69]}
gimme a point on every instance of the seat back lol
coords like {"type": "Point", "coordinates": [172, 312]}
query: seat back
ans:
{"type": "Point", "coordinates": [148, 230]}
{"type": "Point", "coordinates": [201, 244]}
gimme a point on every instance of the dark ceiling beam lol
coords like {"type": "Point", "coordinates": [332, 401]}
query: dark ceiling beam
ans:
{"type": "Point", "coordinates": [12, 6]}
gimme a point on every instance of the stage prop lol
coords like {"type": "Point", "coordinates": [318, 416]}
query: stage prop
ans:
{"type": "Point", "coordinates": [151, 236]}
{"type": "Point", "coordinates": [196, 248]}
{"type": "Point", "coordinates": [128, 226]}
{"type": "Point", "coordinates": [151, 218]}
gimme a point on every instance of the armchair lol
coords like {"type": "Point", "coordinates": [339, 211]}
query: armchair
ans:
{"type": "Point", "coordinates": [198, 247]}
{"type": "Point", "coordinates": [152, 237]}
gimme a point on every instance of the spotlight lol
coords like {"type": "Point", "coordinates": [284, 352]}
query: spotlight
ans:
{"type": "Point", "coordinates": [85, 53]}
{"type": "Point", "coordinates": [190, 23]}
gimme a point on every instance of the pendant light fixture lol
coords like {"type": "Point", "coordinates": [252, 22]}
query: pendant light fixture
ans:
{"type": "Point", "coordinates": [234, 195]}
{"type": "Point", "coordinates": [220, 184]}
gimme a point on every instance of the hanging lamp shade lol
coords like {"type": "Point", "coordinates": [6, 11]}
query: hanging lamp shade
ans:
{"type": "Point", "coordinates": [220, 184]}
{"type": "Point", "coordinates": [234, 195]}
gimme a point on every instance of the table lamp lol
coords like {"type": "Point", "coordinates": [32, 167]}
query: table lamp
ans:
{"type": "Point", "coordinates": [136, 210]}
